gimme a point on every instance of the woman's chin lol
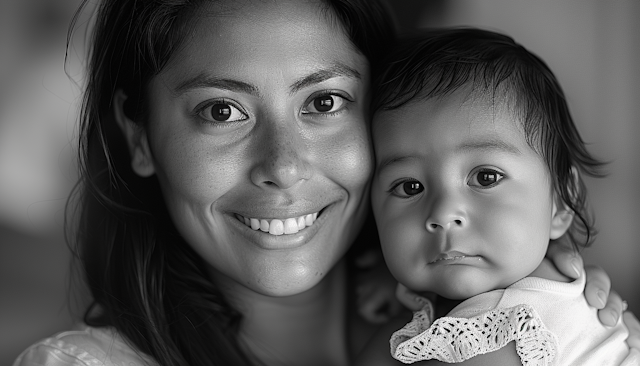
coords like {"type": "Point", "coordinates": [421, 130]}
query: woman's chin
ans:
{"type": "Point", "coordinates": [289, 281]}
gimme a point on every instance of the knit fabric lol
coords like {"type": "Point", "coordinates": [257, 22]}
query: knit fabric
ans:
{"type": "Point", "coordinates": [550, 323]}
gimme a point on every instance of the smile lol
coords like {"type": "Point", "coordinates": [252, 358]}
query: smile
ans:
{"type": "Point", "coordinates": [287, 226]}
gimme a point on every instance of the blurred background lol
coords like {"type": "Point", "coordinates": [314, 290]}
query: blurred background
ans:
{"type": "Point", "coordinates": [38, 104]}
{"type": "Point", "coordinates": [593, 46]}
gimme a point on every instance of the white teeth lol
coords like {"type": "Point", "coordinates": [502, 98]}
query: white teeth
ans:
{"type": "Point", "coordinates": [264, 225]}
{"type": "Point", "coordinates": [279, 227]}
{"type": "Point", "coordinates": [276, 227]}
{"type": "Point", "coordinates": [290, 226]}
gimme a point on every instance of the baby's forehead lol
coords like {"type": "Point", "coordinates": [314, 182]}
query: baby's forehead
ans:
{"type": "Point", "coordinates": [447, 123]}
{"type": "Point", "coordinates": [475, 103]}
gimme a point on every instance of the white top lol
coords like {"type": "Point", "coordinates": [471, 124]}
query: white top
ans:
{"type": "Point", "coordinates": [550, 322]}
{"type": "Point", "coordinates": [85, 347]}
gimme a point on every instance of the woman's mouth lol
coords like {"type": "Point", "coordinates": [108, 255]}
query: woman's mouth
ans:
{"type": "Point", "coordinates": [286, 226]}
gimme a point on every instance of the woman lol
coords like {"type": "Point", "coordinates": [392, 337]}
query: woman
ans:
{"type": "Point", "coordinates": [225, 174]}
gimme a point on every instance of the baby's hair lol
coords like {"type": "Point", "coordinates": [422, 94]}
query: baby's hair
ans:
{"type": "Point", "coordinates": [436, 63]}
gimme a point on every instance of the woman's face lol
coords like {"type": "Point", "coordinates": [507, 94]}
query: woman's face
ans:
{"type": "Point", "coordinates": [258, 135]}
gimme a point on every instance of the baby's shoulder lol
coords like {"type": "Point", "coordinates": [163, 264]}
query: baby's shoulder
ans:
{"type": "Point", "coordinates": [548, 270]}
{"type": "Point", "coordinates": [85, 346]}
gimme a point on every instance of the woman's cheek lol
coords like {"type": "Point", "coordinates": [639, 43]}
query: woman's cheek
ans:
{"type": "Point", "coordinates": [195, 168]}
{"type": "Point", "coordinates": [350, 159]}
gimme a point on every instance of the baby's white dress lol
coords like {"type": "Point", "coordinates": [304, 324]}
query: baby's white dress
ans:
{"type": "Point", "coordinates": [550, 322]}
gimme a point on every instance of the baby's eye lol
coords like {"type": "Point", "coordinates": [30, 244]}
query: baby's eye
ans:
{"type": "Point", "coordinates": [324, 104]}
{"type": "Point", "coordinates": [485, 178]}
{"type": "Point", "coordinates": [222, 111]}
{"type": "Point", "coordinates": [407, 188]}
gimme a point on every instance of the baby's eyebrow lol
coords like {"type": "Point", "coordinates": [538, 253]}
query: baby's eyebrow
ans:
{"type": "Point", "coordinates": [204, 80]}
{"type": "Point", "coordinates": [396, 160]}
{"type": "Point", "coordinates": [490, 145]}
{"type": "Point", "coordinates": [471, 147]}
{"type": "Point", "coordinates": [319, 76]}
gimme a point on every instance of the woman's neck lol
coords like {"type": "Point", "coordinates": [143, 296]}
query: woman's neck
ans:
{"type": "Point", "coordinates": [305, 329]}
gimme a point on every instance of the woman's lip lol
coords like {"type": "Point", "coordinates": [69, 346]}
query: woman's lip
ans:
{"type": "Point", "coordinates": [285, 226]}
{"type": "Point", "coordinates": [266, 240]}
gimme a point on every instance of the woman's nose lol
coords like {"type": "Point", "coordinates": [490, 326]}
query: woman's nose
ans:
{"type": "Point", "coordinates": [446, 213]}
{"type": "Point", "coordinates": [282, 158]}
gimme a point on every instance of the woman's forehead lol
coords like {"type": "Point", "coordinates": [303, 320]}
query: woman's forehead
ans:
{"type": "Point", "coordinates": [275, 18]}
{"type": "Point", "coordinates": [258, 8]}
{"type": "Point", "coordinates": [265, 41]}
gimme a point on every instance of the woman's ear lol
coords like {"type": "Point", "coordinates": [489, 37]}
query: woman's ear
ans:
{"type": "Point", "coordinates": [136, 136]}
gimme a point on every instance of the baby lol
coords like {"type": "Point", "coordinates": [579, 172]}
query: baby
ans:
{"type": "Point", "coordinates": [478, 168]}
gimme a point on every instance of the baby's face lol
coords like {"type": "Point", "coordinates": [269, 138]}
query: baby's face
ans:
{"type": "Point", "coordinates": [463, 204]}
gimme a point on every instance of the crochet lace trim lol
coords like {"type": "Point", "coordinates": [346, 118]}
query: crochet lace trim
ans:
{"type": "Point", "coordinates": [452, 339]}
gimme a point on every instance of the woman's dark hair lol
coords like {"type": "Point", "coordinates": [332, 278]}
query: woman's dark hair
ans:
{"type": "Point", "coordinates": [145, 280]}
{"type": "Point", "coordinates": [436, 62]}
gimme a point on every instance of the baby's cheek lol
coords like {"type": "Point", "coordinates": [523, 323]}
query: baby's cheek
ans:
{"type": "Point", "coordinates": [404, 247]}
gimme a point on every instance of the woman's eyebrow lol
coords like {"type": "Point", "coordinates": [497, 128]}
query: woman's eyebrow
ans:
{"type": "Point", "coordinates": [204, 80]}
{"type": "Point", "coordinates": [324, 74]}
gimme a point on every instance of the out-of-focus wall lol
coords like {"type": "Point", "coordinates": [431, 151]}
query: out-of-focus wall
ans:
{"type": "Point", "coordinates": [37, 113]}
{"type": "Point", "coordinates": [38, 104]}
{"type": "Point", "coordinates": [593, 47]}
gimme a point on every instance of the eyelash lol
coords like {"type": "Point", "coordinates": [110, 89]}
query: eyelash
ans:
{"type": "Point", "coordinates": [345, 99]}
{"type": "Point", "coordinates": [399, 183]}
{"type": "Point", "coordinates": [395, 185]}
{"type": "Point", "coordinates": [499, 177]}
{"type": "Point", "coordinates": [326, 93]}
{"type": "Point", "coordinates": [210, 103]}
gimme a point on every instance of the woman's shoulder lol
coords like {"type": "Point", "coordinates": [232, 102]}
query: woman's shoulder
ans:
{"type": "Point", "coordinates": [84, 346]}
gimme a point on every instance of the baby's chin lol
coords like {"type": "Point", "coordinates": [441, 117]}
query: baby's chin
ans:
{"type": "Point", "coordinates": [461, 291]}
{"type": "Point", "coordinates": [458, 295]}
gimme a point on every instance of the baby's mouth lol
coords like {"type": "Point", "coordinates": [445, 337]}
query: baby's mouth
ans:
{"type": "Point", "coordinates": [290, 225]}
{"type": "Point", "coordinates": [448, 258]}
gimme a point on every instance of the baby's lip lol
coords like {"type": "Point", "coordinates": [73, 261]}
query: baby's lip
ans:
{"type": "Point", "coordinates": [451, 255]}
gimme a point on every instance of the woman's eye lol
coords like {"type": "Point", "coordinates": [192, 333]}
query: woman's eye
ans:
{"type": "Point", "coordinates": [408, 188]}
{"type": "Point", "coordinates": [486, 178]}
{"type": "Point", "coordinates": [222, 112]}
{"type": "Point", "coordinates": [324, 104]}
